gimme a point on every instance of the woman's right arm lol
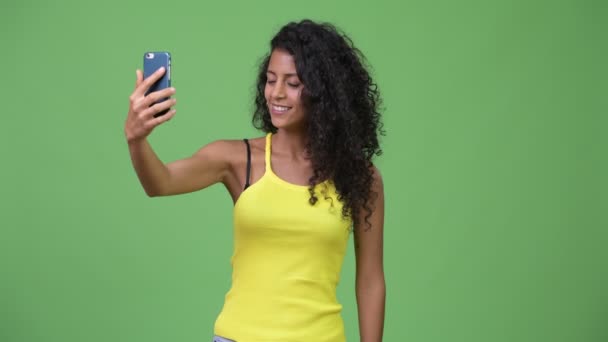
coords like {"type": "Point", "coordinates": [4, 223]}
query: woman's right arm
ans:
{"type": "Point", "coordinates": [207, 166]}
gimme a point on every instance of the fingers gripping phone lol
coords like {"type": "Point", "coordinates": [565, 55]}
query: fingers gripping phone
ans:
{"type": "Point", "coordinates": [152, 62]}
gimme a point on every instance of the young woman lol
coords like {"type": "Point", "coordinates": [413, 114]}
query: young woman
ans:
{"type": "Point", "coordinates": [298, 191]}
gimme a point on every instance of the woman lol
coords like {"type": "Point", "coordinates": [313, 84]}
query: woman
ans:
{"type": "Point", "coordinates": [297, 191]}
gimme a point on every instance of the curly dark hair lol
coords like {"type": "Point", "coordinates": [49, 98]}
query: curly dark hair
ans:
{"type": "Point", "coordinates": [342, 107]}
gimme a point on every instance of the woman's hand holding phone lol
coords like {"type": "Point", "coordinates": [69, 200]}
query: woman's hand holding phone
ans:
{"type": "Point", "coordinates": [141, 118]}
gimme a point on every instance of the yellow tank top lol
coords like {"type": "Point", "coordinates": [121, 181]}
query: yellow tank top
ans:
{"type": "Point", "coordinates": [286, 263]}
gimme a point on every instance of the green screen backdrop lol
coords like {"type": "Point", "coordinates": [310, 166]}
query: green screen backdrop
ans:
{"type": "Point", "coordinates": [494, 166]}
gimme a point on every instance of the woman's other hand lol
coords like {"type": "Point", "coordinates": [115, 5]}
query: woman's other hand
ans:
{"type": "Point", "coordinates": [142, 108]}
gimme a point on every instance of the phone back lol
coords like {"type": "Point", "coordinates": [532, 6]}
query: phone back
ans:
{"type": "Point", "coordinates": [153, 61]}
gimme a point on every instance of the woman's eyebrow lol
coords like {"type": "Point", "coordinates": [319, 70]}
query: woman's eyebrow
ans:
{"type": "Point", "coordinates": [288, 75]}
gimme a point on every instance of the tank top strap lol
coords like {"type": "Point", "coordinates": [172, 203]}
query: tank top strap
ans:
{"type": "Point", "coordinates": [268, 150]}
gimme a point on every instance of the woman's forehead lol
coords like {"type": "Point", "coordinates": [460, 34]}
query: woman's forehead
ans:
{"type": "Point", "coordinates": [282, 62]}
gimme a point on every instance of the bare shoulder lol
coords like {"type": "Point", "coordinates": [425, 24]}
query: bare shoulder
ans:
{"type": "Point", "coordinates": [258, 143]}
{"type": "Point", "coordinates": [220, 148]}
{"type": "Point", "coordinates": [229, 151]}
{"type": "Point", "coordinates": [228, 159]}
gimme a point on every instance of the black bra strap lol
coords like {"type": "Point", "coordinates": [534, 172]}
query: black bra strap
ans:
{"type": "Point", "coordinates": [248, 163]}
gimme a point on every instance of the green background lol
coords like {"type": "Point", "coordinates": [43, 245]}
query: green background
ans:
{"type": "Point", "coordinates": [494, 166]}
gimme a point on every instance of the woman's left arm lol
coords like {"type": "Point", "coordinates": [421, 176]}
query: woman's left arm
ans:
{"type": "Point", "coordinates": [370, 285]}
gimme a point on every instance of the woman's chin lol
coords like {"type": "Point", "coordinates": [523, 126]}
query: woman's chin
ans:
{"type": "Point", "coordinates": [278, 120]}
{"type": "Point", "coordinates": [278, 123]}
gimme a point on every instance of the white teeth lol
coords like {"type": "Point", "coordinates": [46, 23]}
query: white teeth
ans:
{"type": "Point", "coordinates": [280, 108]}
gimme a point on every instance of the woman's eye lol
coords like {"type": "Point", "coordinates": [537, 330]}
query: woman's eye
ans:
{"type": "Point", "coordinates": [270, 82]}
{"type": "Point", "coordinates": [293, 85]}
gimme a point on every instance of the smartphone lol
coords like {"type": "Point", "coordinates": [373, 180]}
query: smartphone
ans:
{"type": "Point", "coordinates": [152, 62]}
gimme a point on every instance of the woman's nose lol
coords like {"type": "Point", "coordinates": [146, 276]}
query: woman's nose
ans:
{"type": "Point", "coordinates": [278, 91]}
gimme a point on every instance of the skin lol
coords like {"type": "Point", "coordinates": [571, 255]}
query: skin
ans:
{"type": "Point", "coordinates": [224, 161]}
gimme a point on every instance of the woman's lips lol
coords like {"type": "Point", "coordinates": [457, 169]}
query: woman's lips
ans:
{"type": "Point", "coordinates": [276, 109]}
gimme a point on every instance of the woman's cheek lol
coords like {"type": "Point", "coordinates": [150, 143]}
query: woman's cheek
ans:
{"type": "Point", "coordinates": [294, 94]}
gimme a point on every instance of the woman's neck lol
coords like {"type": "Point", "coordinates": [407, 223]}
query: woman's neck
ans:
{"type": "Point", "coordinates": [292, 143]}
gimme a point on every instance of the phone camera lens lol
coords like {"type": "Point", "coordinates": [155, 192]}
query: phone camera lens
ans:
{"type": "Point", "coordinates": [149, 55]}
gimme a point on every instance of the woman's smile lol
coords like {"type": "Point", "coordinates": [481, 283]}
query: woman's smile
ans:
{"type": "Point", "coordinates": [276, 109]}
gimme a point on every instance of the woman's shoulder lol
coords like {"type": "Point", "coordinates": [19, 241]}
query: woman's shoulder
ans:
{"type": "Point", "coordinates": [258, 143]}
{"type": "Point", "coordinates": [231, 148]}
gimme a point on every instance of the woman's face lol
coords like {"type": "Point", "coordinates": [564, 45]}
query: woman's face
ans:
{"type": "Point", "coordinates": [283, 92]}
